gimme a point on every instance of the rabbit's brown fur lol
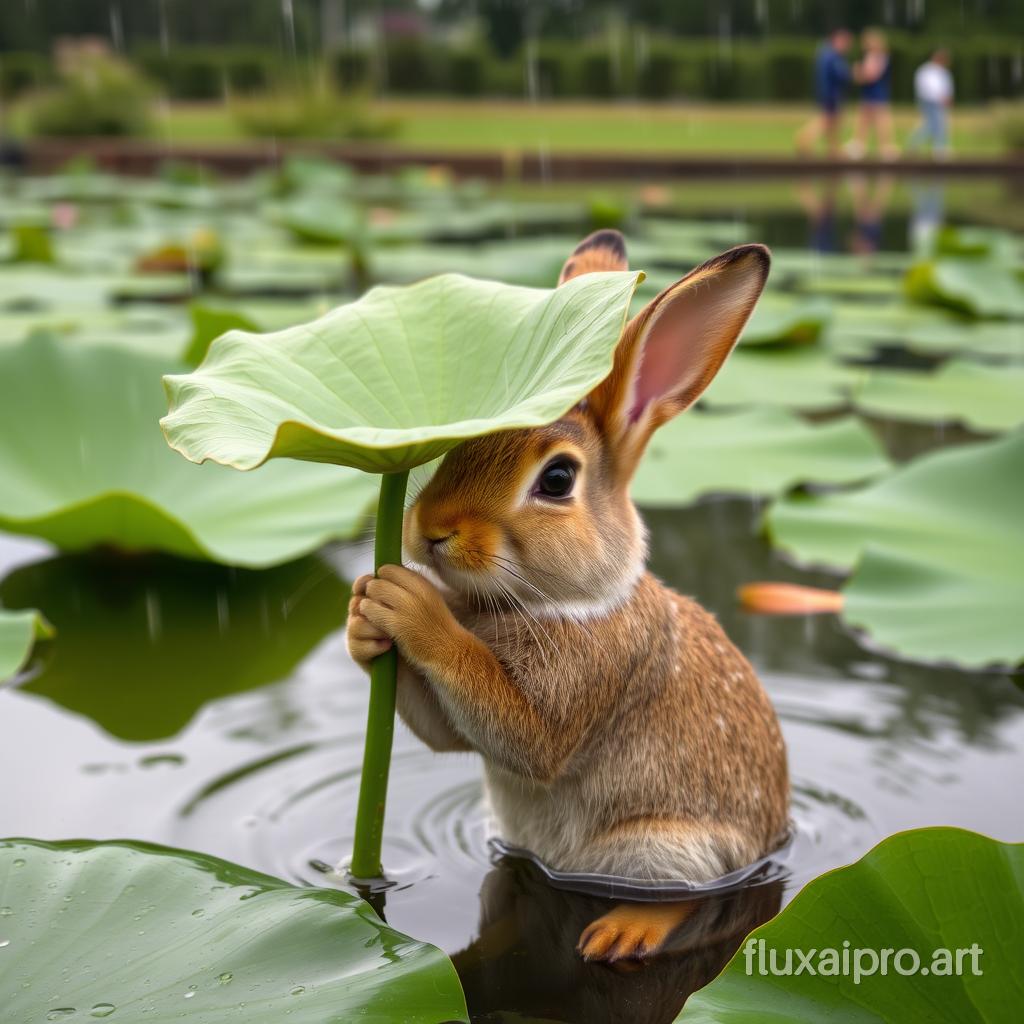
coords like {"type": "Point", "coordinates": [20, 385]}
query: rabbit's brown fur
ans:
{"type": "Point", "coordinates": [621, 731]}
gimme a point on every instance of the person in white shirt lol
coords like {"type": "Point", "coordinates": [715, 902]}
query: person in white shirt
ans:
{"type": "Point", "coordinates": [933, 89]}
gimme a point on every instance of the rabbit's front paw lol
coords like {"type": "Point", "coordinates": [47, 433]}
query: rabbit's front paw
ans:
{"type": "Point", "coordinates": [407, 607]}
{"type": "Point", "coordinates": [364, 640]}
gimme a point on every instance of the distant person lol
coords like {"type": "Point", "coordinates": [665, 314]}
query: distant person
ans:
{"type": "Point", "coordinates": [873, 72]}
{"type": "Point", "coordinates": [933, 90]}
{"type": "Point", "coordinates": [831, 78]}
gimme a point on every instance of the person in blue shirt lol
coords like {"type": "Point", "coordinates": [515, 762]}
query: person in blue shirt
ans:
{"type": "Point", "coordinates": [831, 77]}
{"type": "Point", "coordinates": [874, 74]}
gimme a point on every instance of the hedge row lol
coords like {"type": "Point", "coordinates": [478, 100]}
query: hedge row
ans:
{"type": "Point", "coordinates": [774, 70]}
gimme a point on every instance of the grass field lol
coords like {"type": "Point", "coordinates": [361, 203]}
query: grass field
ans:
{"type": "Point", "coordinates": [586, 127]}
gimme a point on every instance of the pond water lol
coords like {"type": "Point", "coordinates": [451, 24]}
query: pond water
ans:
{"type": "Point", "coordinates": [216, 710]}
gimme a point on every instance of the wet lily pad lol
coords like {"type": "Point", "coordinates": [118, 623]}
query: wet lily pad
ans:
{"type": "Point", "coordinates": [143, 644]}
{"type": "Point", "coordinates": [19, 630]}
{"type": "Point", "coordinates": [806, 379]}
{"type": "Point", "coordinates": [401, 376]}
{"type": "Point", "coordinates": [927, 890]}
{"type": "Point", "coordinates": [759, 452]}
{"type": "Point", "coordinates": [246, 947]}
{"type": "Point", "coordinates": [936, 552]}
{"type": "Point", "coordinates": [84, 464]}
{"type": "Point", "coordinates": [981, 288]}
{"type": "Point", "coordinates": [988, 399]}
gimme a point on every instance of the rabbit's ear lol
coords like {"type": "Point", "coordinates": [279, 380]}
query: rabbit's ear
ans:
{"type": "Point", "coordinates": [672, 349]}
{"type": "Point", "coordinates": [602, 250]}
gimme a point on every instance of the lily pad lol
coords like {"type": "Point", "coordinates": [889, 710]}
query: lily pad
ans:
{"type": "Point", "coordinates": [116, 483]}
{"type": "Point", "coordinates": [805, 379]}
{"type": "Point", "coordinates": [783, 320]}
{"type": "Point", "coordinates": [984, 398]}
{"type": "Point", "coordinates": [480, 356]}
{"type": "Point", "coordinates": [145, 643]}
{"type": "Point", "coordinates": [927, 890]}
{"type": "Point", "coordinates": [246, 947]}
{"type": "Point", "coordinates": [936, 552]}
{"type": "Point", "coordinates": [18, 633]}
{"type": "Point", "coordinates": [980, 288]}
{"type": "Point", "coordinates": [761, 451]}
{"type": "Point", "coordinates": [209, 322]}
{"type": "Point", "coordinates": [860, 328]}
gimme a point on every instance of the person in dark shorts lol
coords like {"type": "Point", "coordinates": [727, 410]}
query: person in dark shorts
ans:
{"type": "Point", "coordinates": [831, 77]}
{"type": "Point", "coordinates": [874, 74]}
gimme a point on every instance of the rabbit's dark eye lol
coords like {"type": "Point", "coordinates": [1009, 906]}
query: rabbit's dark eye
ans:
{"type": "Point", "coordinates": [556, 479]}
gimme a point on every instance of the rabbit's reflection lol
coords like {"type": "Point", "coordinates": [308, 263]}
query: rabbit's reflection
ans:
{"type": "Point", "coordinates": [525, 958]}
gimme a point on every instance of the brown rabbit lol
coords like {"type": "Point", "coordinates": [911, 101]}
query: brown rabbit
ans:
{"type": "Point", "coordinates": [621, 731]}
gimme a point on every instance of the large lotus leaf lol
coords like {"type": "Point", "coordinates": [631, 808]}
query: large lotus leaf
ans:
{"type": "Point", "coordinates": [140, 933]}
{"type": "Point", "coordinates": [981, 288]}
{"type": "Point", "coordinates": [936, 550]}
{"type": "Point", "coordinates": [806, 379]}
{"type": "Point", "coordinates": [401, 376]}
{"type": "Point", "coordinates": [760, 451]}
{"type": "Point", "coordinates": [143, 644]}
{"type": "Point", "coordinates": [985, 398]}
{"type": "Point", "coordinates": [83, 464]}
{"type": "Point", "coordinates": [927, 890]}
{"type": "Point", "coordinates": [18, 633]}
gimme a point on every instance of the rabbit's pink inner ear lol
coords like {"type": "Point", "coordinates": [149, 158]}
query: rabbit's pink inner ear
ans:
{"type": "Point", "coordinates": [693, 330]}
{"type": "Point", "coordinates": [664, 366]}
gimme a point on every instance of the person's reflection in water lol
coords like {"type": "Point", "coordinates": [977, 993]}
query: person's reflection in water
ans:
{"type": "Point", "coordinates": [525, 961]}
{"type": "Point", "coordinates": [870, 201]}
{"type": "Point", "coordinates": [819, 201]}
{"type": "Point", "coordinates": [926, 216]}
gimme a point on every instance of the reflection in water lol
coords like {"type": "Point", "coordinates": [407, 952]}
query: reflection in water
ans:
{"type": "Point", "coordinates": [144, 643]}
{"type": "Point", "coordinates": [870, 200]}
{"type": "Point", "coordinates": [929, 201]}
{"type": "Point", "coordinates": [524, 955]}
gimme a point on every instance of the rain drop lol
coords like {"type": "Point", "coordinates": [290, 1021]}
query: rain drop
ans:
{"type": "Point", "coordinates": [102, 1010]}
{"type": "Point", "coordinates": [298, 990]}
{"type": "Point", "coordinates": [5, 911]}
{"type": "Point", "coordinates": [20, 862]}
{"type": "Point", "coordinates": [225, 977]}
{"type": "Point", "coordinates": [4, 942]}
{"type": "Point", "coordinates": [61, 1013]}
